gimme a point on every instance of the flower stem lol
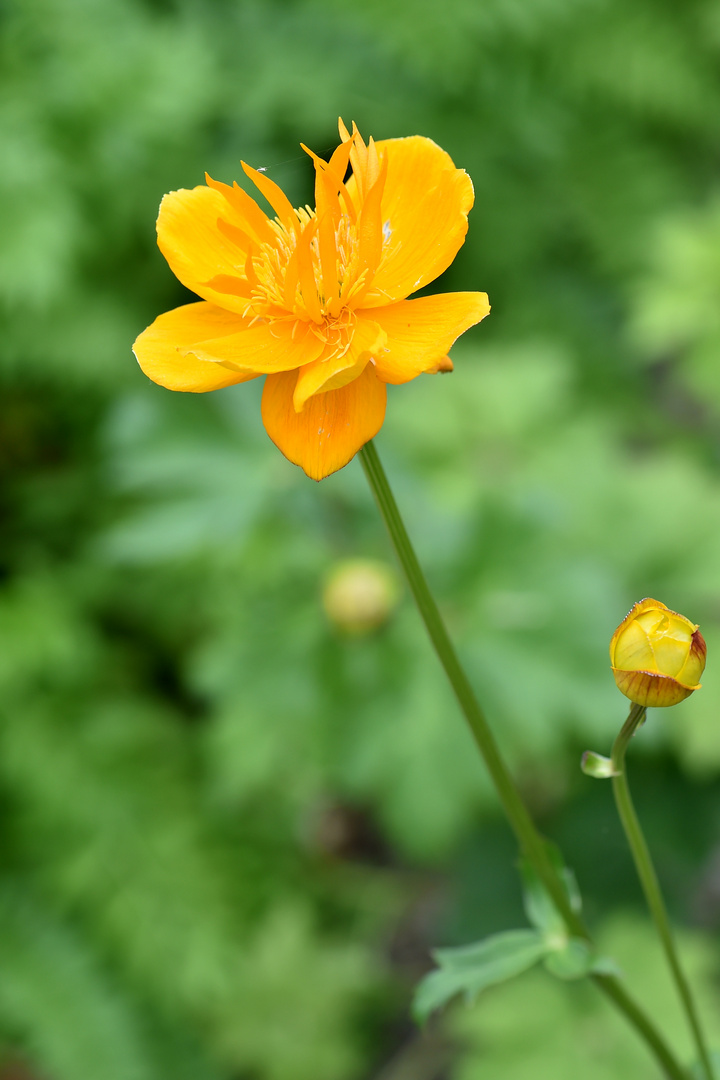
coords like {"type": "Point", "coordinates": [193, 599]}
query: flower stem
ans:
{"type": "Point", "coordinates": [530, 841]}
{"type": "Point", "coordinates": [649, 881]}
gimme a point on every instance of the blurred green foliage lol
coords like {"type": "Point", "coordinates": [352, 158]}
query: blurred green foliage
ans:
{"type": "Point", "coordinates": [229, 832]}
{"type": "Point", "coordinates": [565, 1035]}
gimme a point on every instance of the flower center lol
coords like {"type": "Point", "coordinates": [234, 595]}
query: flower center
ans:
{"type": "Point", "coordinates": [315, 266]}
{"type": "Point", "coordinates": [288, 277]}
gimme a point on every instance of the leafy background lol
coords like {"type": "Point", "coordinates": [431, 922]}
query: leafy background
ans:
{"type": "Point", "coordinates": [230, 829]}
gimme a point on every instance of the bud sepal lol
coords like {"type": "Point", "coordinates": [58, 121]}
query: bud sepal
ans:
{"type": "Point", "coordinates": [598, 766]}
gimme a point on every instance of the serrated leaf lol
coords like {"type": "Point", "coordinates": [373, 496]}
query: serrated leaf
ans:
{"type": "Point", "coordinates": [473, 968]}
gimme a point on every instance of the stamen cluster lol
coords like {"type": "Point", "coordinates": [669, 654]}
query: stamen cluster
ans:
{"type": "Point", "coordinates": [310, 265]}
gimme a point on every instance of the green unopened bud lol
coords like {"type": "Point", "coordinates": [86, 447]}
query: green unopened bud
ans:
{"type": "Point", "coordinates": [360, 595]}
{"type": "Point", "coordinates": [596, 765]}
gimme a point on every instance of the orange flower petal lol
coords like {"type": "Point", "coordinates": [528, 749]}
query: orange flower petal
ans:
{"type": "Point", "coordinates": [196, 249]}
{"type": "Point", "coordinates": [331, 428]}
{"type": "Point", "coordinates": [370, 227]}
{"type": "Point", "coordinates": [275, 196]}
{"type": "Point", "coordinates": [425, 205]}
{"type": "Point", "coordinates": [367, 342]}
{"type": "Point", "coordinates": [160, 350]}
{"type": "Point", "coordinates": [443, 366]}
{"type": "Point", "coordinates": [255, 221]}
{"type": "Point", "coordinates": [420, 332]}
{"type": "Point", "coordinates": [262, 348]}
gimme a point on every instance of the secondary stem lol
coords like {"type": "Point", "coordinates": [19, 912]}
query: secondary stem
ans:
{"type": "Point", "coordinates": [649, 880]}
{"type": "Point", "coordinates": [529, 839]}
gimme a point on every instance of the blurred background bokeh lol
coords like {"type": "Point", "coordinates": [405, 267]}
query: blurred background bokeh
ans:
{"type": "Point", "coordinates": [237, 802]}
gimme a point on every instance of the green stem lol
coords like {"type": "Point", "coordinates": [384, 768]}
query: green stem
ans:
{"type": "Point", "coordinates": [530, 841]}
{"type": "Point", "coordinates": [649, 880]}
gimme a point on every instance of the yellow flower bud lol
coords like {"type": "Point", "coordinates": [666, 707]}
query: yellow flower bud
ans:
{"type": "Point", "coordinates": [657, 656]}
{"type": "Point", "coordinates": [360, 595]}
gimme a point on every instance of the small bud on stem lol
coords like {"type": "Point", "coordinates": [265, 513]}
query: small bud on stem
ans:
{"type": "Point", "coordinates": [596, 765]}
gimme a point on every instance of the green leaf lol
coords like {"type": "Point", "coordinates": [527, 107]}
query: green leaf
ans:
{"type": "Point", "coordinates": [574, 958]}
{"type": "Point", "coordinates": [605, 965]}
{"type": "Point", "coordinates": [698, 1072]}
{"type": "Point", "coordinates": [473, 968]}
{"type": "Point", "coordinates": [573, 961]}
{"type": "Point", "coordinates": [539, 906]}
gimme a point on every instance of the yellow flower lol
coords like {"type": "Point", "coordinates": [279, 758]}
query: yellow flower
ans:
{"type": "Point", "coordinates": [657, 656]}
{"type": "Point", "coordinates": [315, 300]}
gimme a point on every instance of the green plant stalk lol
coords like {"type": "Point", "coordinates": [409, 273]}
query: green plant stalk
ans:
{"type": "Point", "coordinates": [649, 880]}
{"type": "Point", "coordinates": [530, 841]}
